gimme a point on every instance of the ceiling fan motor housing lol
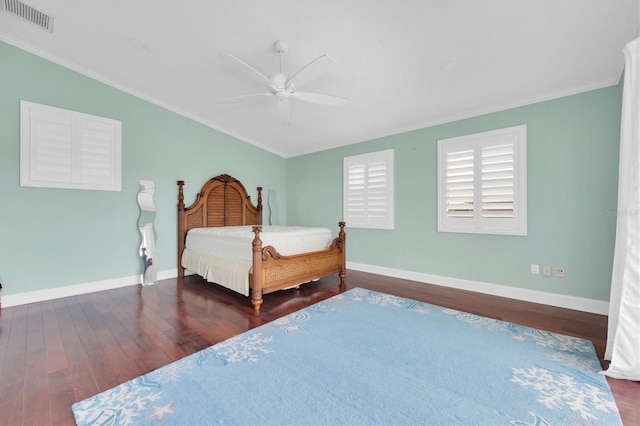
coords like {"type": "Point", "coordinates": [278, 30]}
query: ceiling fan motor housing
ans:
{"type": "Point", "coordinates": [278, 80]}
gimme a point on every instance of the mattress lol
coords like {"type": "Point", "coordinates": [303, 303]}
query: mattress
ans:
{"type": "Point", "coordinates": [234, 242]}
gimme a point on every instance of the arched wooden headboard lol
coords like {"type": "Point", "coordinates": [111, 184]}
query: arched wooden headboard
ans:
{"type": "Point", "coordinates": [223, 201]}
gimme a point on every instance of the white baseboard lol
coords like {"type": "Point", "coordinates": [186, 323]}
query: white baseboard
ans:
{"type": "Point", "coordinates": [77, 289]}
{"type": "Point", "coordinates": [552, 299]}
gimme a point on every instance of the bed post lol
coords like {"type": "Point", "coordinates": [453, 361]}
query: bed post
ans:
{"type": "Point", "coordinates": [259, 206]}
{"type": "Point", "coordinates": [256, 274]}
{"type": "Point", "coordinates": [181, 227]}
{"type": "Point", "coordinates": [343, 260]}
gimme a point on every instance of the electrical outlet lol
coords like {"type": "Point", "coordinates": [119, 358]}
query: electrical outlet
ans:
{"type": "Point", "coordinates": [559, 271]}
{"type": "Point", "coordinates": [535, 269]}
{"type": "Point", "coordinates": [546, 270]}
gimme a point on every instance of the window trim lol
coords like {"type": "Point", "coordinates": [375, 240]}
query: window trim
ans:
{"type": "Point", "coordinates": [476, 142]}
{"type": "Point", "coordinates": [368, 221]}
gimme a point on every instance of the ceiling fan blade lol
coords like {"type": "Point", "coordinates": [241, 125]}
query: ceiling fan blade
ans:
{"type": "Point", "coordinates": [284, 111]}
{"type": "Point", "coordinates": [249, 67]}
{"type": "Point", "coordinates": [319, 98]}
{"type": "Point", "coordinates": [321, 60]}
{"type": "Point", "coordinates": [242, 97]}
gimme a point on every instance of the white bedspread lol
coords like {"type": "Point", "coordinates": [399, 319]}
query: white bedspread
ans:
{"type": "Point", "coordinates": [224, 254]}
{"type": "Point", "coordinates": [230, 273]}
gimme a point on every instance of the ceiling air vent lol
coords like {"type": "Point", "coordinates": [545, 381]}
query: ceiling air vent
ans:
{"type": "Point", "coordinates": [28, 13]}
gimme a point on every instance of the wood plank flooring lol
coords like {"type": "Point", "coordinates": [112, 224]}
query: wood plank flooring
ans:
{"type": "Point", "coordinates": [57, 352]}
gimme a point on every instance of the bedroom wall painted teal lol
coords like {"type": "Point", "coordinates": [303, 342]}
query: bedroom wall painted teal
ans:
{"type": "Point", "coordinates": [573, 146]}
{"type": "Point", "coordinates": [52, 237]}
{"type": "Point", "coordinates": [55, 237]}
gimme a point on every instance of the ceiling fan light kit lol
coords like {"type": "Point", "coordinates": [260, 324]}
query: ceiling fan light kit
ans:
{"type": "Point", "coordinates": [280, 86]}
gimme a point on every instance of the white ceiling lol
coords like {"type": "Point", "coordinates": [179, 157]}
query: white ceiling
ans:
{"type": "Point", "coordinates": [403, 64]}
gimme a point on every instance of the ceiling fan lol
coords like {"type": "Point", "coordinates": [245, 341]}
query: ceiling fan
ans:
{"type": "Point", "coordinates": [282, 87]}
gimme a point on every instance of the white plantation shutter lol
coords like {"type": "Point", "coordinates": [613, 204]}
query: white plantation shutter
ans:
{"type": "Point", "coordinates": [355, 199]}
{"type": "Point", "coordinates": [459, 183]}
{"type": "Point", "coordinates": [377, 192]}
{"type": "Point", "coordinates": [50, 153]}
{"type": "Point", "coordinates": [482, 182]}
{"type": "Point", "coordinates": [497, 181]}
{"type": "Point", "coordinates": [67, 149]}
{"type": "Point", "coordinates": [97, 155]}
{"type": "Point", "coordinates": [368, 190]}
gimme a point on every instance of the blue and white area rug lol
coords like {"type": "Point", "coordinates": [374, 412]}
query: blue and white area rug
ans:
{"type": "Point", "coordinates": [364, 357]}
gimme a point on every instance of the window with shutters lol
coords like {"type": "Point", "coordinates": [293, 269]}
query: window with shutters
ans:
{"type": "Point", "coordinates": [368, 190]}
{"type": "Point", "coordinates": [482, 182]}
{"type": "Point", "coordinates": [68, 149]}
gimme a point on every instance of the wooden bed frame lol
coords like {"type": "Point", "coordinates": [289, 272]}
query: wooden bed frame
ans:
{"type": "Point", "coordinates": [223, 201]}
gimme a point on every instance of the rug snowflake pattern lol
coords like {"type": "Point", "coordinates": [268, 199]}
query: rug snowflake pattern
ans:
{"type": "Point", "coordinates": [374, 358]}
{"type": "Point", "coordinates": [561, 390]}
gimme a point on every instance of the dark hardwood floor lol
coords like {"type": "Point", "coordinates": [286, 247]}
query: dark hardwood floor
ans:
{"type": "Point", "coordinates": [57, 352]}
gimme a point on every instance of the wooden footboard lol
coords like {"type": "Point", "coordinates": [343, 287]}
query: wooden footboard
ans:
{"type": "Point", "coordinates": [272, 271]}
